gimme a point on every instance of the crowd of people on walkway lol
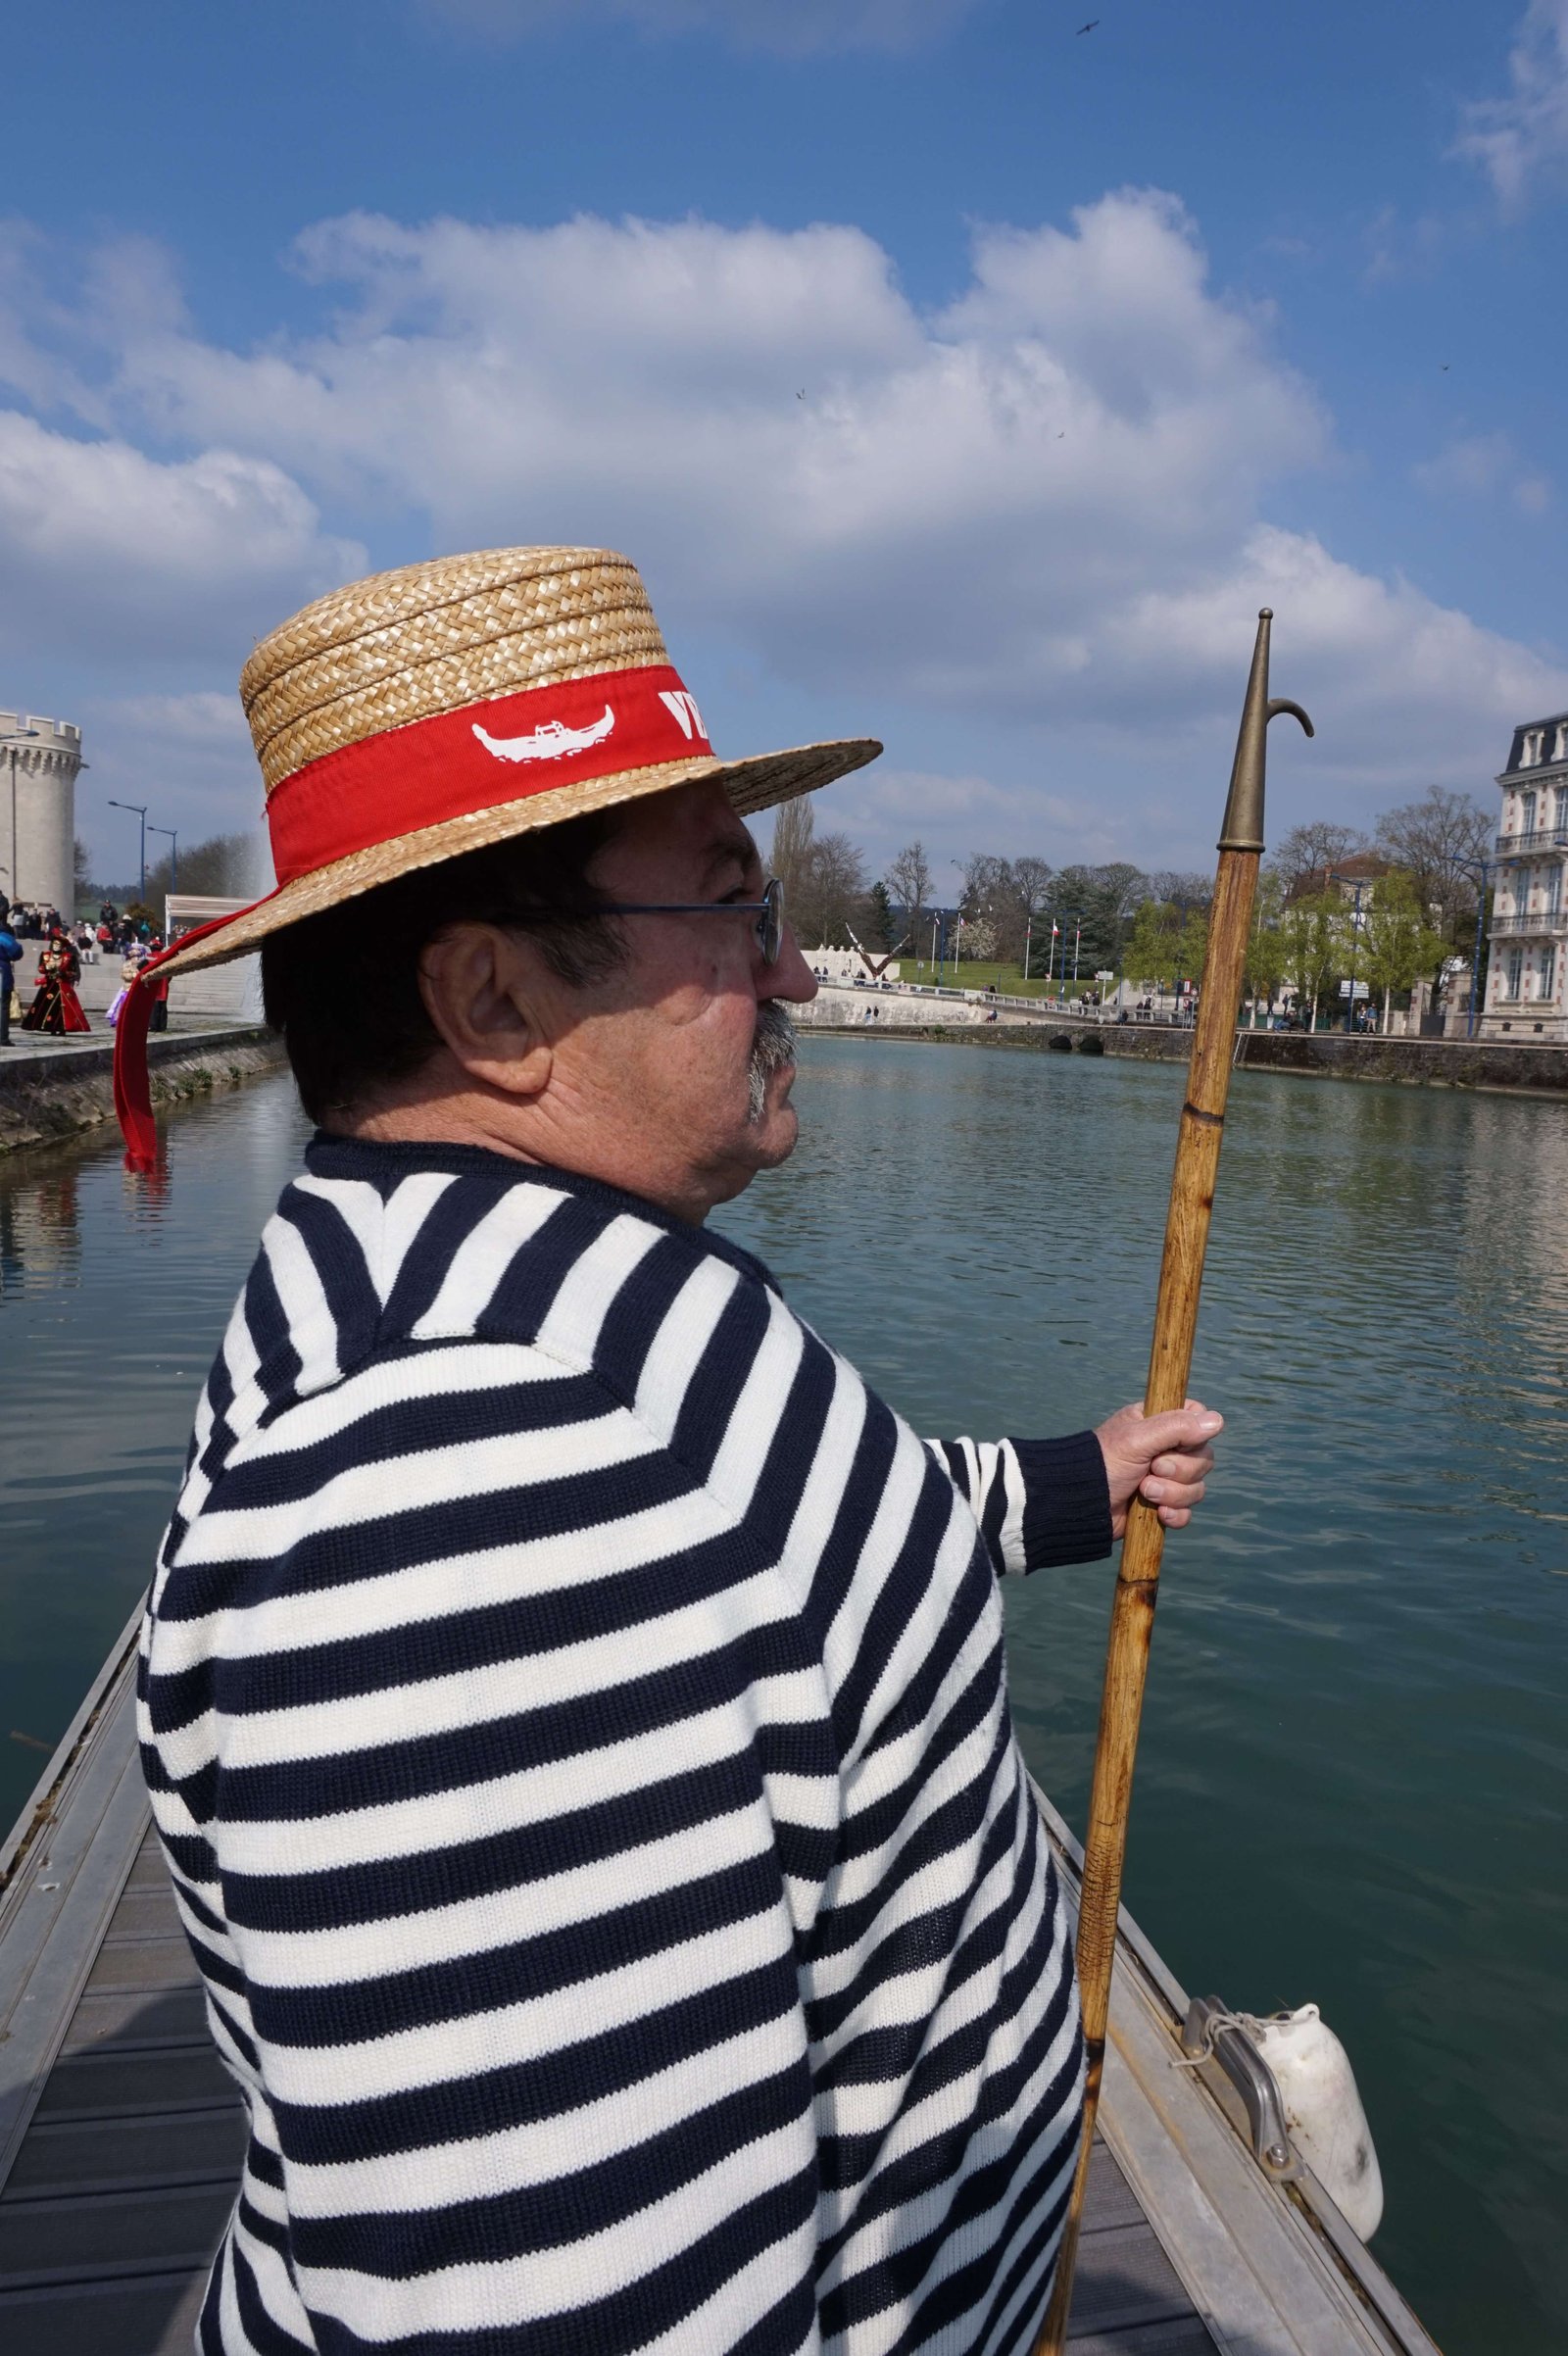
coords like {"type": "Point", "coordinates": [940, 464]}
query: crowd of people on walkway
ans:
{"type": "Point", "coordinates": [55, 1009]}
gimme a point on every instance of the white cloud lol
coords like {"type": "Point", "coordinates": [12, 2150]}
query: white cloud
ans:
{"type": "Point", "coordinates": [789, 28]}
{"type": "Point", "coordinates": [943, 506]}
{"type": "Point", "coordinates": [107, 548]}
{"type": "Point", "coordinates": [1479, 465]}
{"type": "Point", "coordinates": [1521, 142]}
{"type": "Point", "coordinates": [1023, 535]}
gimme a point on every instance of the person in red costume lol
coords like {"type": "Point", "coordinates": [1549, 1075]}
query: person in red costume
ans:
{"type": "Point", "coordinates": [55, 1007]}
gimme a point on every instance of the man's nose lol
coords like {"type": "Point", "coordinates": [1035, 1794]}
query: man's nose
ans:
{"type": "Point", "coordinates": [789, 976]}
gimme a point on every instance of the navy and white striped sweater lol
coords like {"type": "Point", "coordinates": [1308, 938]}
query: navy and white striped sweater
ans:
{"type": "Point", "coordinates": [576, 1715]}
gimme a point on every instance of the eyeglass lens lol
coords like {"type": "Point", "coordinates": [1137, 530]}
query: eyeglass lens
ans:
{"type": "Point", "coordinates": [770, 928]}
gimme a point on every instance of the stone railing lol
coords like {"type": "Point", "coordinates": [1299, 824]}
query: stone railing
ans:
{"type": "Point", "coordinates": [1541, 921]}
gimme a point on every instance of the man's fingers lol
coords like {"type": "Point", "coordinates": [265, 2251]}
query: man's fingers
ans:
{"type": "Point", "coordinates": [1186, 1426]}
{"type": "Point", "coordinates": [1183, 1468]}
{"type": "Point", "coordinates": [1171, 1492]}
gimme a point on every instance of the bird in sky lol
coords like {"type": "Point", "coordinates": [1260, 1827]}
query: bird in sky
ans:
{"type": "Point", "coordinates": [801, 395]}
{"type": "Point", "coordinates": [1443, 366]}
{"type": "Point", "coordinates": [1089, 28]}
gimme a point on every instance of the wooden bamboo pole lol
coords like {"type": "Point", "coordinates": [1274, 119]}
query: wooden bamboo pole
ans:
{"type": "Point", "coordinates": [1181, 1276]}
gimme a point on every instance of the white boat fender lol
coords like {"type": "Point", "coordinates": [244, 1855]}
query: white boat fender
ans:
{"type": "Point", "coordinates": [1323, 2111]}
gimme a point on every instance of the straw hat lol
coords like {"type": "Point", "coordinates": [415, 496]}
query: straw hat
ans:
{"type": "Point", "coordinates": [444, 706]}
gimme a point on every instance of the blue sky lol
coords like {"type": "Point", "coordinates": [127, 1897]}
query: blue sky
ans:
{"type": "Point", "coordinates": [1103, 339]}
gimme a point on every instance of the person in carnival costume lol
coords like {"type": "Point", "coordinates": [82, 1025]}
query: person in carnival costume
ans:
{"type": "Point", "coordinates": [574, 1703]}
{"type": "Point", "coordinates": [55, 1007]}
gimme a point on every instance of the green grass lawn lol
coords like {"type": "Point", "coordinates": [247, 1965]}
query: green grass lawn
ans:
{"type": "Point", "coordinates": [973, 974]}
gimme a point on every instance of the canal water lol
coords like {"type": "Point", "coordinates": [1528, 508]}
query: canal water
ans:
{"type": "Point", "coordinates": [1354, 1781]}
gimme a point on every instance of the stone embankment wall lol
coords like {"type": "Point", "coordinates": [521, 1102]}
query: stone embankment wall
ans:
{"type": "Point", "coordinates": [53, 1096]}
{"type": "Point", "coordinates": [851, 1009]}
{"type": "Point", "coordinates": [1488, 1064]}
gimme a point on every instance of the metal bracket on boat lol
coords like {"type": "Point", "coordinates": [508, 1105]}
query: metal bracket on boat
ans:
{"type": "Point", "coordinates": [1210, 2029]}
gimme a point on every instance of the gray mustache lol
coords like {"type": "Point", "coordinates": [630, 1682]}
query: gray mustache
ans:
{"type": "Point", "coordinates": [771, 1050]}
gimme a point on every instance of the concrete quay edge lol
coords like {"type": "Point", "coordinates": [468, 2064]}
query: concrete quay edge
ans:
{"type": "Point", "coordinates": [56, 1092]}
{"type": "Point", "coordinates": [1480, 1066]}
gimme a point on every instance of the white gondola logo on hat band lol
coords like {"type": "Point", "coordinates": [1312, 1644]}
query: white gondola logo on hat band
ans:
{"type": "Point", "coordinates": [552, 741]}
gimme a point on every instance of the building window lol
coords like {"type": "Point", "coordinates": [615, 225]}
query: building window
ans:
{"type": "Point", "coordinates": [1559, 807]}
{"type": "Point", "coordinates": [1559, 750]}
{"type": "Point", "coordinates": [1548, 971]}
{"type": "Point", "coordinates": [1526, 813]}
{"type": "Point", "coordinates": [1554, 892]}
{"type": "Point", "coordinates": [1529, 752]}
{"type": "Point", "coordinates": [1516, 971]}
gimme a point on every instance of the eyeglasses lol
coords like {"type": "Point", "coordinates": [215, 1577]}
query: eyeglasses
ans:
{"type": "Point", "coordinates": [769, 911]}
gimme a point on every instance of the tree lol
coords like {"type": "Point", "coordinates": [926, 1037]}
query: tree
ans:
{"type": "Point", "coordinates": [80, 874]}
{"type": "Point", "coordinates": [1439, 843]}
{"type": "Point", "coordinates": [977, 938]}
{"type": "Point", "coordinates": [1311, 934]}
{"type": "Point", "coordinates": [789, 858]}
{"type": "Point", "coordinates": [1320, 843]}
{"type": "Point", "coordinates": [1397, 941]}
{"type": "Point", "coordinates": [1264, 969]}
{"type": "Point", "coordinates": [832, 891]}
{"type": "Point", "coordinates": [1168, 943]}
{"type": "Point", "coordinates": [1154, 948]}
{"type": "Point", "coordinates": [1105, 899]}
{"type": "Point", "coordinates": [908, 881]}
{"type": "Point", "coordinates": [223, 867]}
{"type": "Point", "coordinates": [878, 917]}
{"type": "Point", "coordinates": [1187, 889]}
{"type": "Point", "coordinates": [1193, 945]}
{"type": "Point", "coordinates": [1031, 880]}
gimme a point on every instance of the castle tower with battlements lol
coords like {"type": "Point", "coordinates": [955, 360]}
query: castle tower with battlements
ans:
{"type": "Point", "coordinates": [38, 763]}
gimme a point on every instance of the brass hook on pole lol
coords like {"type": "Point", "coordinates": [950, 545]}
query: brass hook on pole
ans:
{"type": "Point", "coordinates": [1181, 1275]}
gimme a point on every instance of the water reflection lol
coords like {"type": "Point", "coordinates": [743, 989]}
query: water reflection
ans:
{"type": "Point", "coordinates": [40, 1229]}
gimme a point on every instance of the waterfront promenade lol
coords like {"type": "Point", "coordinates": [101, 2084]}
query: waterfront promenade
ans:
{"type": "Point", "coordinates": [51, 1088]}
{"type": "Point", "coordinates": [1512, 1067]}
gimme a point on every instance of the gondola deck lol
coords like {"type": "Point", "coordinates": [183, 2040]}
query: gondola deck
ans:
{"type": "Point", "coordinates": [120, 2134]}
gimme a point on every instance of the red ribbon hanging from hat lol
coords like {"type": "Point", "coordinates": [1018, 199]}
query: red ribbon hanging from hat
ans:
{"type": "Point", "coordinates": [134, 1103]}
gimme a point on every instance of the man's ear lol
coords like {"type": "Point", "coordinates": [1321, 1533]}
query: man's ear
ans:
{"type": "Point", "coordinates": [481, 988]}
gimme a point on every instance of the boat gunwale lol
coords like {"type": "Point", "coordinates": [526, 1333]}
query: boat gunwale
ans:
{"type": "Point", "coordinates": [43, 1805]}
{"type": "Point", "coordinates": [1339, 2248]}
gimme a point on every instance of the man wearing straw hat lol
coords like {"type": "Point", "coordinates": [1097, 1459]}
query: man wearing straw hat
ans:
{"type": "Point", "coordinates": [574, 1703]}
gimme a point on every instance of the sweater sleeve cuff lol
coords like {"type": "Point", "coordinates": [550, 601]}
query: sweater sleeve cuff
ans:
{"type": "Point", "coordinates": [1066, 1512]}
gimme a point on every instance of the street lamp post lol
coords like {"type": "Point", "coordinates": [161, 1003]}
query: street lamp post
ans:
{"type": "Point", "coordinates": [140, 809]}
{"type": "Point", "coordinates": [172, 833]}
{"type": "Point", "coordinates": [1329, 876]}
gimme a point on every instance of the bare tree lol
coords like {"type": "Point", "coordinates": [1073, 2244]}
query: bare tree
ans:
{"type": "Point", "coordinates": [1440, 842]}
{"type": "Point", "coordinates": [910, 883]}
{"type": "Point", "coordinates": [1184, 887]}
{"type": "Point", "coordinates": [790, 857]}
{"type": "Point", "coordinates": [1308, 849]}
{"type": "Point", "coordinates": [832, 892]}
{"type": "Point", "coordinates": [1031, 880]}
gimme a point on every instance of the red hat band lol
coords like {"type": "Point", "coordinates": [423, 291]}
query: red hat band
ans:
{"type": "Point", "coordinates": [483, 754]}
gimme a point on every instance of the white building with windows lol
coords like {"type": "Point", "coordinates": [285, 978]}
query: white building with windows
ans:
{"type": "Point", "coordinates": [1526, 994]}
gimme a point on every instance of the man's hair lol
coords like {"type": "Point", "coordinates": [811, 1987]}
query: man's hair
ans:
{"type": "Point", "coordinates": [343, 987]}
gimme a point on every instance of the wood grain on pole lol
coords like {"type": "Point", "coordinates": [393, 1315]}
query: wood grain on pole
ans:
{"type": "Point", "coordinates": [1181, 1276]}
